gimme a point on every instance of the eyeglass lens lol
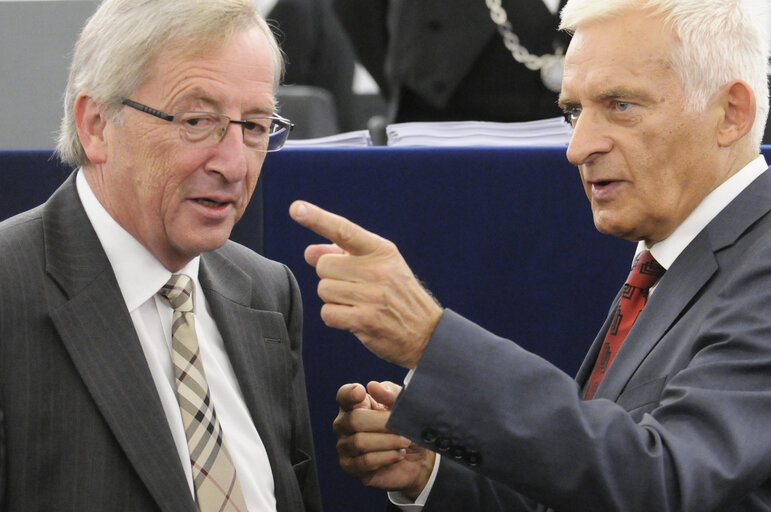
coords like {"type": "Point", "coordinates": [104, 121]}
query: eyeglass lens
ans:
{"type": "Point", "coordinates": [259, 133]}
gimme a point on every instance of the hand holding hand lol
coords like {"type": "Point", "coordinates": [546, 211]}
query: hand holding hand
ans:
{"type": "Point", "coordinates": [368, 288]}
{"type": "Point", "coordinates": [370, 452]}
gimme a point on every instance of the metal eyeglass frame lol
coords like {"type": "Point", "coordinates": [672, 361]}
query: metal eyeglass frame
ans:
{"type": "Point", "coordinates": [276, 140]}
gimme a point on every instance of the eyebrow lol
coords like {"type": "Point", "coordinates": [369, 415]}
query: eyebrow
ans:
{"type": "Point", "coordinates": [199, 94]}
{"type": "Point", "coordinates": [610, 94]}
{"type": "Point", "coordinates": [615, 93]}
{"type": "Point", "coordinates": [565, 103]}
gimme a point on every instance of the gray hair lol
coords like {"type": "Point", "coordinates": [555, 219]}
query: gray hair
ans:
{"type": "Point", "coordinates": [720, 41]}
{"type": "Point", "coordinates": [120, 42]}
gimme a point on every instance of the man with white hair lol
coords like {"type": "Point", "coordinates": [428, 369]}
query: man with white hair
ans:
{"type": "Point", "coordinates": [671, 409]}
{"type": "Point", "coordinates": [147, 363]}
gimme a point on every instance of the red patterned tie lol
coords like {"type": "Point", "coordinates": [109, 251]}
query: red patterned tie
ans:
{"type": "Point", "coordinates": [645, 272]}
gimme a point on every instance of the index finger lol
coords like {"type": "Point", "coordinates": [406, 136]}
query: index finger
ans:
{"type": "Point", "coordinates": [348, 236]}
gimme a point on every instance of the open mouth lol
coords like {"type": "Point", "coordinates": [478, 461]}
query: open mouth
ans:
{"type": "Point", "coordinates": [210, 203]}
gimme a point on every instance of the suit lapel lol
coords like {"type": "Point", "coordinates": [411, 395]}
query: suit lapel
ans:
{"type": "Point", "coordinates": [229, 292]}
{"type": "Point", "coordinates": [89, 313]}
{"type": "Point", "coordinates": [591, 356]}
{"type": "Point", "coordinates": [676, 290]}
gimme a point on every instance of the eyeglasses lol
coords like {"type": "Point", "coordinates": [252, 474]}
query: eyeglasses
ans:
{"type": "Point", "coordinates": [261, 133]}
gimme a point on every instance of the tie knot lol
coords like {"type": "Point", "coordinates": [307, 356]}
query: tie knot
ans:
{"type": "Point", "coordinates": [178, 292]}
{"type": "Point", "coordinates": [646, 271]}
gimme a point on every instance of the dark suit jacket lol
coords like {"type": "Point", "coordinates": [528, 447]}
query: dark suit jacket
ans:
{"type": "Point", "coordinates": [317, 52]}
{"type": "Point", "coordinates": [81, 425]}
{"type": "Point", "coordinates": [680, 422]}
{"type": "Point", "coordinates": [444, 60]}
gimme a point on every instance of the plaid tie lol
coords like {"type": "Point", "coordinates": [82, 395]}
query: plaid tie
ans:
{"type": "Point", "coordinates": [645, 272]}
{"type": "Point", "coordinates": [216, 485]}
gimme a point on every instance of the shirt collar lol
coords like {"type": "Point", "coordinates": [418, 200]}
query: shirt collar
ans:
{"type": "Point", "coordinates": [667, 250]}
{"type": "Point", "coordinates": [139, 274]}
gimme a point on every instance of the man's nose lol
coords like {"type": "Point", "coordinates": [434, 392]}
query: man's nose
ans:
{"type": "Point", "coordinates": [591, 137]}
{"type": "Point", "coordinates": [231, 158]}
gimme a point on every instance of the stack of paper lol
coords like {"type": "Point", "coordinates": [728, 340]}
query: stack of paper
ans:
{"type": "Point", "coordinates": [545, 132]}
{"type": "Point", "coordinates": [356, 139]}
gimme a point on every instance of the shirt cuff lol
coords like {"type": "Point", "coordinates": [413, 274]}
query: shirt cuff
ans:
{"type": "Point", "coordinates": [408, 377]}
{"type": "Point", "coordinates": [405, 504]}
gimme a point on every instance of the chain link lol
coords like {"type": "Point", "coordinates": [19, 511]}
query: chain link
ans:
{"type": "Point", "coordinates": [511, 41]}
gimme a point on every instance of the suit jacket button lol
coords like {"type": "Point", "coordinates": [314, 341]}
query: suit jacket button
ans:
{"type": "Point", "coordinates": [458, 452]}
{"type": "Point", "coordinates": [443, 444]}
{"type": "Point", "coordinates": [429, 435]}
{"type": "Point", "coordinates": [473, 458]}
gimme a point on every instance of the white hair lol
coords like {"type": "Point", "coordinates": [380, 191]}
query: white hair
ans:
{"type": "Point", "coordinates": [720, 41]}
{"type": "Point", "coordinates": [119, 44]}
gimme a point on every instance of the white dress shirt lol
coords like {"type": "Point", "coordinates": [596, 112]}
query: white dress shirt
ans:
{"type": "Point", "coordinates": [665, 253]}
{"type": "Point", "coordinates": [140, 275]}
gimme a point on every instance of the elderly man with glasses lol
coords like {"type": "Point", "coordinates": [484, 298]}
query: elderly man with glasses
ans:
{"type": "Point", "coordinates": [670, 410]}
{"type": "Point", "coordinates": [148, 363]}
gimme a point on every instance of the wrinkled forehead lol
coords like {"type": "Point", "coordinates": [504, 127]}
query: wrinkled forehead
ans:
{"type": "Point", "coordinates": [208, 47]}
{"type": "Point", "coordinates": [634, 39]}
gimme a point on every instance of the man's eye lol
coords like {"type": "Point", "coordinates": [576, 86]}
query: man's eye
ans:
{"type": "Point", "coordinates": [572, 113]}
{"type": "Point", "coordinates": [200, 122]}
{"type": "Point", "coordinates": [254, 127]}
{"type": "Point", "coordinates": [623, 106]}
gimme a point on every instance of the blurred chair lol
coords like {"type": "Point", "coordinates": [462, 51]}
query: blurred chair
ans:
{"type": "Point", "coordinates": [312, 110]}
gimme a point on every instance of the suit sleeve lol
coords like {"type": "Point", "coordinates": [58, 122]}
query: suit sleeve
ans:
{"type": "Point", "coordinates": [459, 488]}
{"type": "Point", "coordinates": [696, 440]}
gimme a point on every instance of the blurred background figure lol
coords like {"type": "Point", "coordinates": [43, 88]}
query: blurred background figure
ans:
{"type": "Point", "coordinates": [319, 94]}
{"type": "Point", "coordinates": [445, 60]}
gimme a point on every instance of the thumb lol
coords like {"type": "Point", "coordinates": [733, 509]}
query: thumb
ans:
{"type": "Point", "coordinates": [352, 396]}
{"type": "Point", "coordinates": [384, 392]}
{"type": "Point", "coordinates": [314, 252]}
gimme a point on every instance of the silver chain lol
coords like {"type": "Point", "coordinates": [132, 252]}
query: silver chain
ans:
{"type": "Point", "coordinates": [549, 64]}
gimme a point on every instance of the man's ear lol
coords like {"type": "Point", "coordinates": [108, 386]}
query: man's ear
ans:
{"type": "Point", "coordinates": [737, 102]}
{"type": "Point", "coordinates": [89, 119]}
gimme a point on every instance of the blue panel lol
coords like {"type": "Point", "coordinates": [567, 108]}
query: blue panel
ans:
{"type": "Point", "coordinates": [504, 237]}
